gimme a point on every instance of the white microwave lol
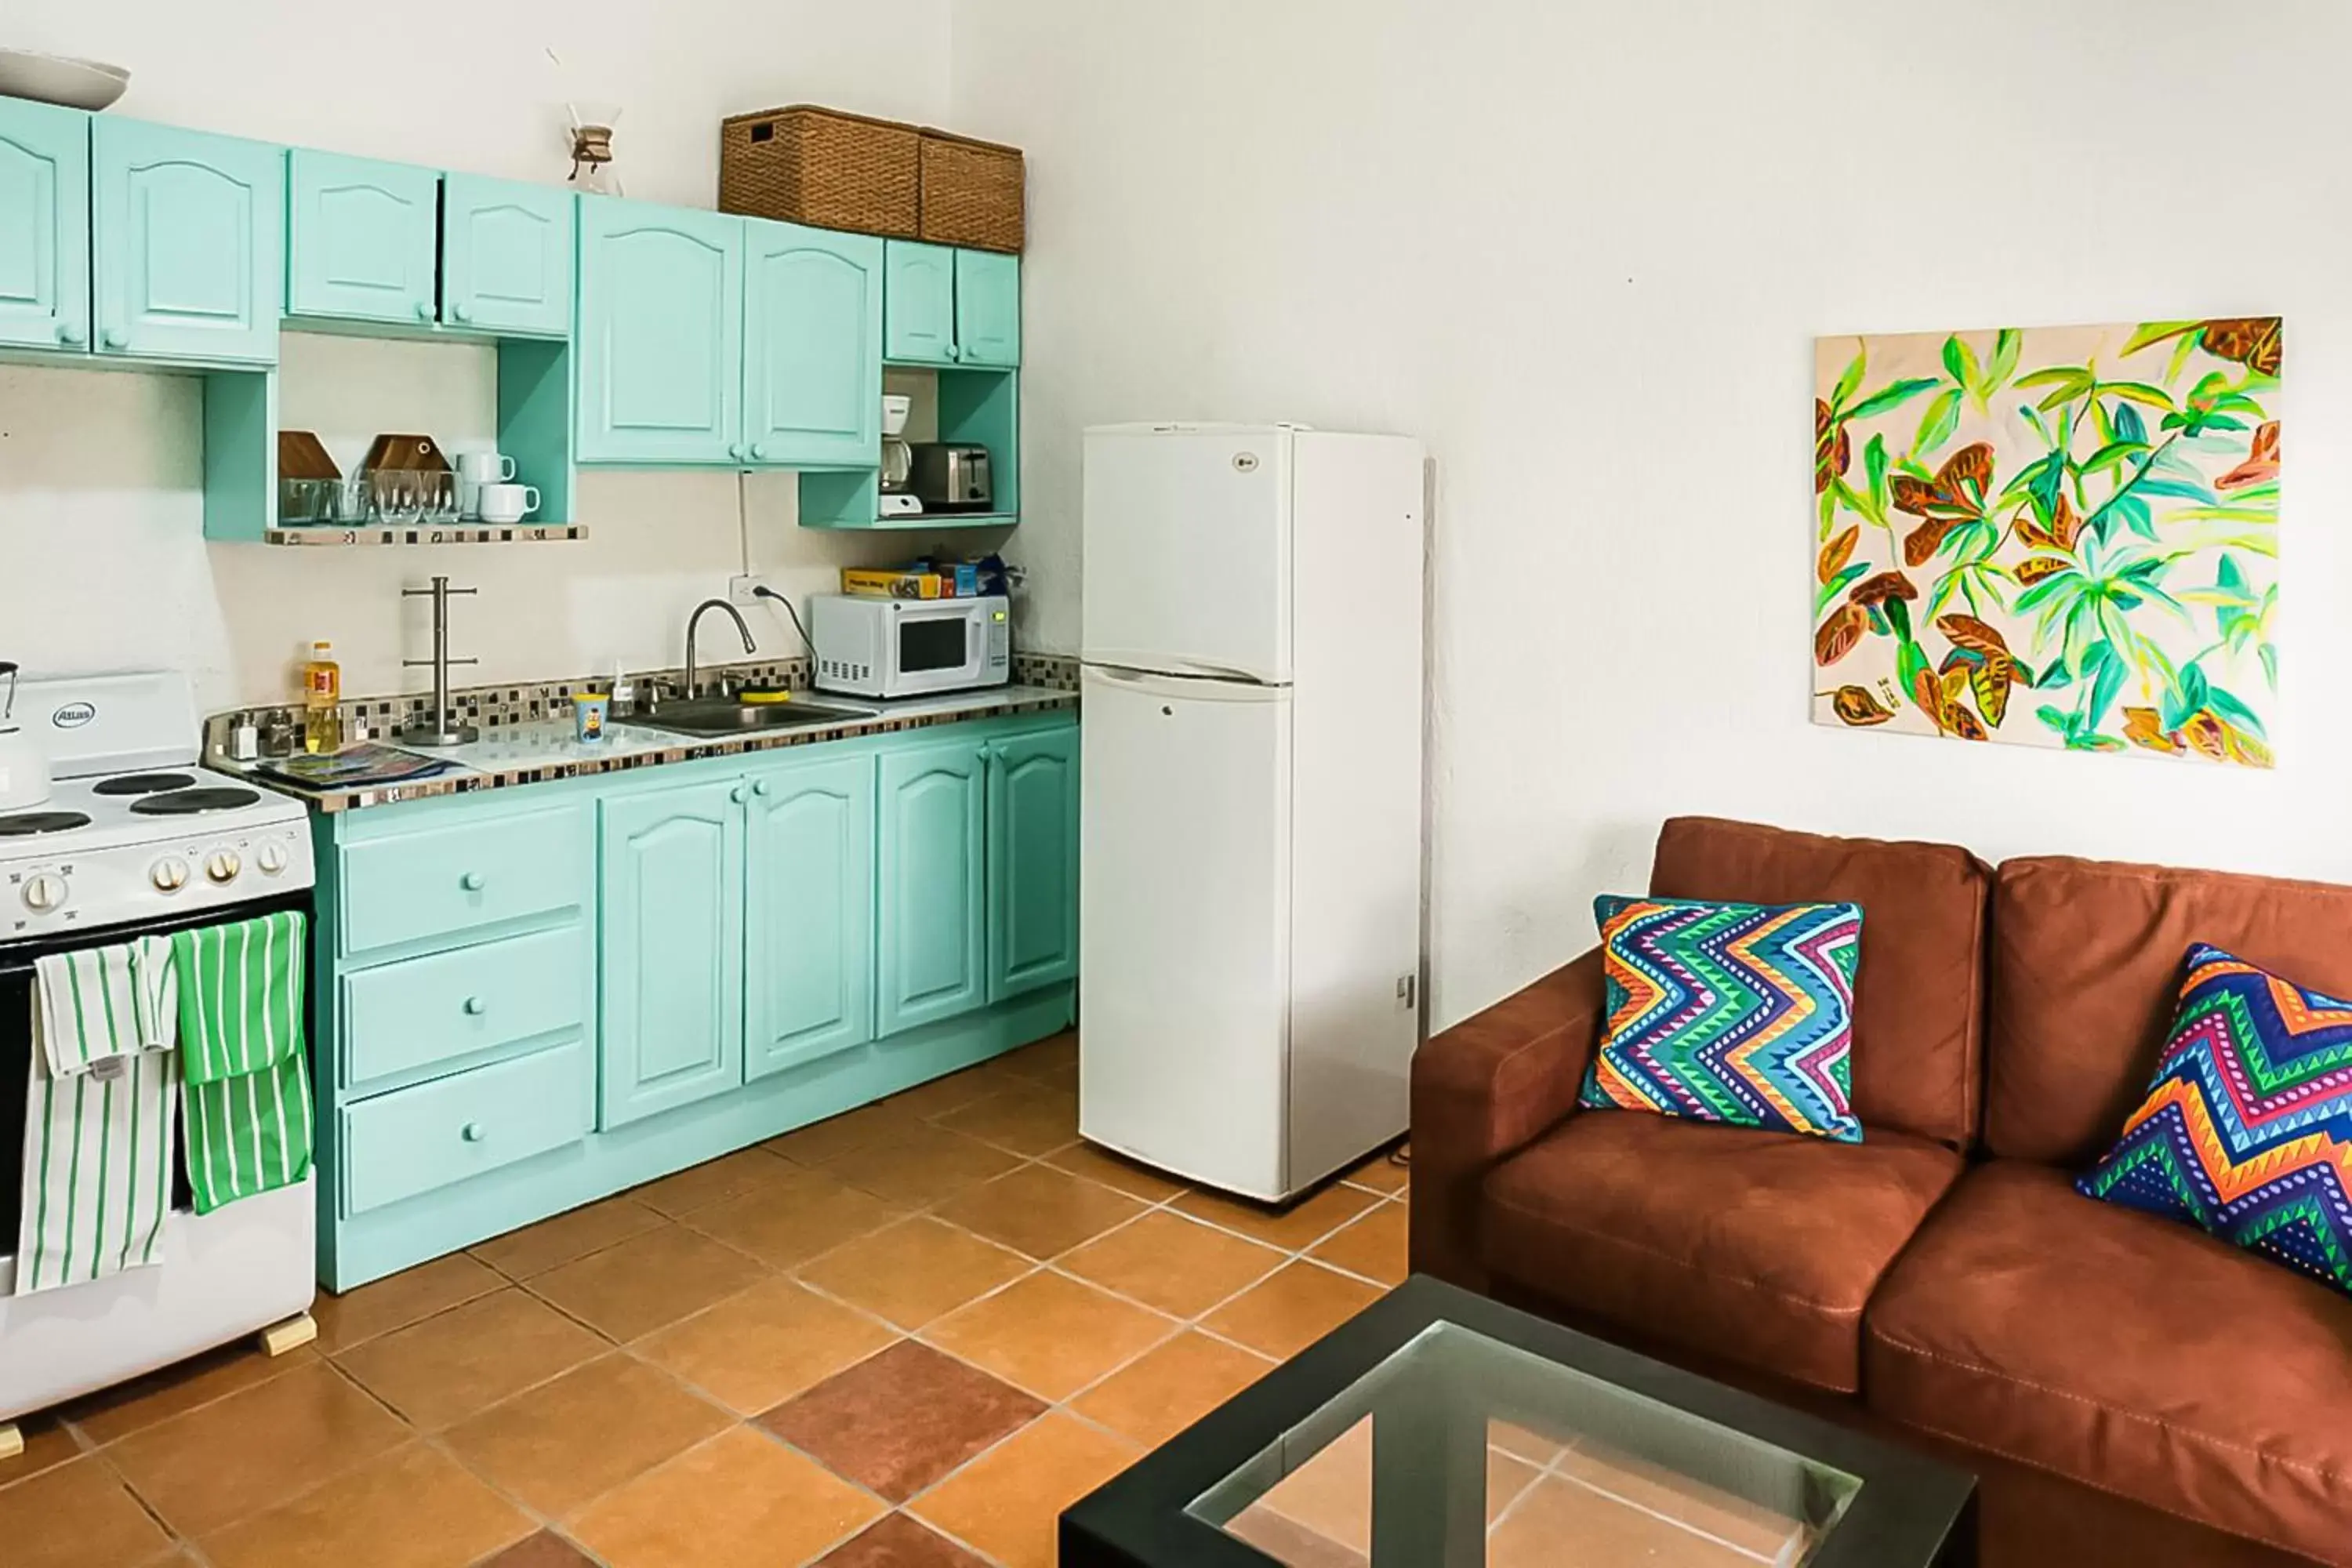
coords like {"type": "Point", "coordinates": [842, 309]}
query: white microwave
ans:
{"type": "Point", "coordinates": [867, 647]}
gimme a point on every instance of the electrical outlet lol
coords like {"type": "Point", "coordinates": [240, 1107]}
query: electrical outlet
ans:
{"type": "Point", "coordinates": [744, 592]}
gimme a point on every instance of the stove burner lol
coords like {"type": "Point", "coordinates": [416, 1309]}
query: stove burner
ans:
{"type": "Point", "coordinates": [24, 824]}
{"type": "Point", "coordinates": [192, 802]}
{"type": "Point", "coordinates": [142, 784]}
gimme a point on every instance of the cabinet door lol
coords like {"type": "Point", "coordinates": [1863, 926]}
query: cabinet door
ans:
{"type": "Point", "coordinates": [988, 308]}
{"type": "Point", "coordinates": [44, 225]}
{"type": "Point", "coordinates": [361, 238]}
{"type": "Point", "coordinates": [660, 347]}
{"type": "Point", "coordinates": [919, 304]}
{"type": "Point", "coordinates": [808, 922]}
{"type": "Point", "coordinates": [811, 346]}
{"type": "Point", "coordinates": [505, 256]}
{"type": "Point", "coordinates": [189, 235]}
{"type": "Point", "coordinates": [1033, 862]}
{"type": "Point", "coordinates": [670, 1029]}
{"type": "Point", "coordinates": [932, 920]}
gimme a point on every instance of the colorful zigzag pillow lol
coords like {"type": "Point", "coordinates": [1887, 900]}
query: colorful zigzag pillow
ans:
{"type": "Point", "coordinates": [1740, 1014]}
{"type": "Point", "coordinates": [2247, 1130]}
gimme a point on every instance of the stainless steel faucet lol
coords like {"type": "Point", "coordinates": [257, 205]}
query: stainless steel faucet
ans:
{"type": "Point", "coordinates": [694, 623]}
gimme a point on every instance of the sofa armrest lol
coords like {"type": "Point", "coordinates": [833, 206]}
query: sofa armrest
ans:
{"type": "Point", "coordinates": [1489, 1086]}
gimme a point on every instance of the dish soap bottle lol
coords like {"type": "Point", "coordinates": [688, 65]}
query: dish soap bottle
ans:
{"type": "Point", "coordinates": [322, 701]}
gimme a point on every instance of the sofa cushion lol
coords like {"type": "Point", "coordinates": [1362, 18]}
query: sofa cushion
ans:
{"type": "Point", "coordinates": [2085, 973]}
{"type": "Point", "coordinates": [1917, 1000]}
{"type": "Point", "coordinates": [1757, 1248]}
{"type": "Point", "coordinates": [2131, 1354]}
{"type": "Point", "coordinates": [2247, 1130]}
{"type": "Point", "coordinates": [1729, 1012]}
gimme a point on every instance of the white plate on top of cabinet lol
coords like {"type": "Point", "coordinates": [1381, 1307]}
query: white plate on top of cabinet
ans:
{"type": "Point", "coordinates": [60, 79]}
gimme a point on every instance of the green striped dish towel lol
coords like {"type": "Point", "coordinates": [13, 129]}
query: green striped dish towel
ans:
{"type": "Point", "coordinates": [99, 1125]}
{"type": "Point", "coordinates": [243, 1055]}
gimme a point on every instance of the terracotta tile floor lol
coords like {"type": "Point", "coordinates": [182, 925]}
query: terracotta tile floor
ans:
{"type": "Point", "coordinates": [904, 1337]}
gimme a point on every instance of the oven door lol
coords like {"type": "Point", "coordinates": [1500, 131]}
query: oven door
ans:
{"type": "Point", "coordinates": [18, 962]}
{"type": "Point", "coordinates": [938, 646]}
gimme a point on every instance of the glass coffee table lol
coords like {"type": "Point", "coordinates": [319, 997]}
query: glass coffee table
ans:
{"type": "Point", "coordinates": [1439, 1429]}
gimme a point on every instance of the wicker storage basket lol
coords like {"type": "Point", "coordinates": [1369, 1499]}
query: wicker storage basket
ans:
{"type": "Point", "coordinates": [822, 166]}
{"type": "Point", "coordinates": [971, 193]}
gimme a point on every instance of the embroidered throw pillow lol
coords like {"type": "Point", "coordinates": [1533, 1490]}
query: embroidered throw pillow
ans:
{"type": "Point", "coordinates": [2247, 1130]}
{"type": "Point", "coordinates": [1734, 1013]}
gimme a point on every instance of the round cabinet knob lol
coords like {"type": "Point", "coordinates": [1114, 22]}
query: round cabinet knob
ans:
{"type": "Point", "coordinates": [473, 881]}
{"type": "Point", "coordinates": [114, 338]}
{"type": "Point", "coordinates": [473, 1133]}
{"type": "Point", "coordinates": [738, 795]}
{"type": "Point", "coordinates": [170, 875]}
{"type": "Point", "coordinates": [760, 451]}
{"type": "Point", "coordinates": [425, 310]}
{"type": "Point", "coordinates": [69, 334]}
{"type": "Point", "coordinates": [736, 451]}
{"type": "Point", "coordinates": [271, 858]}
{"type": "Point", "coordinates": [955, 351]}
{"type": "Point", "coordinates": [761, 788]}
{"type": "Point", "coordinates": [44, 893]}
{"type": "Point", "coordinates": [464, 312]}
{"type": "Point", "coordinates": [223, 865]}
{"type": "Point", "coordinates": [476, 1006]}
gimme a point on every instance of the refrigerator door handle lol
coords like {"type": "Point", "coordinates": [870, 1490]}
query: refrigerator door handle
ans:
{"type": "Point", "coordinates": [1188, 688]}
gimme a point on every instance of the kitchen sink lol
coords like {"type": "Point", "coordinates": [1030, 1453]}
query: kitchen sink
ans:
{"type": "Point", "coordinates": [713, 720]}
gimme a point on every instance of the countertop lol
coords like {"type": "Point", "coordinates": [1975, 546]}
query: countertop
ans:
{"type": "Point", "coordinates": [538, 751]}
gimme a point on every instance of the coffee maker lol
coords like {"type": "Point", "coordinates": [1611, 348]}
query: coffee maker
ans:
{"type": "Point", "coordinates": [898, 498]}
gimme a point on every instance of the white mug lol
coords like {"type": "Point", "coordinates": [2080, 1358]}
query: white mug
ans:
{"type": "Point", "coordinates": [485, 467]}
{"type": "Point", "coordinates": [509, 503]}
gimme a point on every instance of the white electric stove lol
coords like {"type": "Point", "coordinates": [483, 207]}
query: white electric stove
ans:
{"type": "Point", "coordinates": [137, 840]}
{"type": "Point", "coordinates": [134, 830]}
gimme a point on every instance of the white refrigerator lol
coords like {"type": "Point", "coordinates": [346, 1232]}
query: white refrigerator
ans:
{"type": "Point", "coordinates": [1250, 859]}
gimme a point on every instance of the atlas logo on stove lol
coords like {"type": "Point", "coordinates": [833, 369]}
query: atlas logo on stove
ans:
{"type": "Point", "coordinates": [74, 715]}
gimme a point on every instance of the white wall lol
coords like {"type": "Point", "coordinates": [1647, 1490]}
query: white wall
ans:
{"type": "Point", "coordinates": [102, 559]}
{"type": "Point", "coordinates": [1582, 249]}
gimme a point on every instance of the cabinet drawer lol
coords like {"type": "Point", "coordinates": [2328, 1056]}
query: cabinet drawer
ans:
{"type": "Point", "coordinates": [402, 1017]}
{"type": "Point", "coordinates": [449, 880]}
{"type": "Point", "coordinates": [416, 1140]}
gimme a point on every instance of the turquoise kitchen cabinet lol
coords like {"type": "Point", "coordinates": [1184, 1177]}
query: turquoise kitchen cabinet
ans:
{"type": "Point", "coordinates": [1033, 861]}
{"type": "Point", "coordinates": [505, 256]}
{"type": "Point", "coordinates": [362, 238]}
{"type": "Point", "coordinates": [932, 914]}
{"type": "Point", "coordinates": [919, 320]}
{"type": "Point", "coordinates": [188, 234]}
{"type": "Point", "coordinates": [670, 896]}
{"type": "Point", "coordinates": [808, 921]}
{"type": "Point", "coordinates": [44, 225]}
{"type": "Point", "coordinates": [660, 335]}
{"type": "Point", "coordinates": [811, 346]}
{"type": "Point", "coordinates": [987, 309]}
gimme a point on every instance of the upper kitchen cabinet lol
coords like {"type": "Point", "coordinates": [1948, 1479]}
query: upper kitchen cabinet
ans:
{"type": "Point", "coordinates": [952, 308]}
{"type": "Point", "coordinates": [660, 339]}
{"type": "Point", "coordinates": [44, 225]}
{"type": "Point", "coordinates": [506, 256]}
{"type": "Point", "coordinates": [363, 238]}
{"type": "Point", "coordinates": [920, 317]}
{"type": "Point", "coordinates": [812, 341]}
{"type": "Point", "coordinates": [188, 233]}
{"type": "Point", "coordinates": [988, 308]}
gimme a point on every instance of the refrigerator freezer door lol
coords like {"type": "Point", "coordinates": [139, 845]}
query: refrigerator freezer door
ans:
{"type": "Point", "coordinates": [1188, 550]}
{"type": "Point", "coordinates": [1184, 889]}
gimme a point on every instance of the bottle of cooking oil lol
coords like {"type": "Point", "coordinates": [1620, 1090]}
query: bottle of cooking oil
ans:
{"type": "Point", "coordinates": [322, 701]}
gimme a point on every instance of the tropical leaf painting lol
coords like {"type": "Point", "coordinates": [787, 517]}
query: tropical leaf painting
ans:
{"type": "Point", "coordinates": [2053, 536]}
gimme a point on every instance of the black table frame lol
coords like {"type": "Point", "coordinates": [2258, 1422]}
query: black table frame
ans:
{"type": "Point", "coordinates": [1912, 1512]}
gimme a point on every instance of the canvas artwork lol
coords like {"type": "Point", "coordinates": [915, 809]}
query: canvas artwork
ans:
{"type": "Point", "coordinates": [2056, 536]}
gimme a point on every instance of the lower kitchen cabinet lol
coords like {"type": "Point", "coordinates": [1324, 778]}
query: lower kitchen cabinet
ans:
{"type": "Point", "coordinates": [530, 998]}
{"type": "Point", "coordinates": [670, 903]}
{"type": "Point", "coordinates": [933, 924]}
{"type": "Point", "coordinates": [808, 913]}
{"type": "Point", "coordinates": [1033, 862]}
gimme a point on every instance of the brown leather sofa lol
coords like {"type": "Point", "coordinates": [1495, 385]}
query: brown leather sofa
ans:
{"type": "Point", "coordinates": [2129, 1391]}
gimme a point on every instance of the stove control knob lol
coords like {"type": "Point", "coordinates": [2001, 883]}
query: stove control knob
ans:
{"type": "Point", "coordinates": [221, 864]}
{"type": "Point", "coordinates": [44, 892]}
{"type": "Point", "coordinates": [271, 858]}
{"type": "Point", "coordinates": [170, 874]}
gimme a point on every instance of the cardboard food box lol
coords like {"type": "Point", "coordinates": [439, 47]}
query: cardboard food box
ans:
{"type": "Point", "coordinates": [874, 582]}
